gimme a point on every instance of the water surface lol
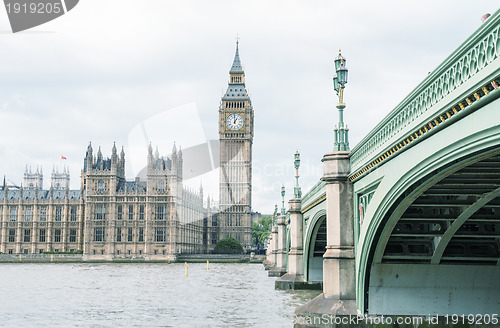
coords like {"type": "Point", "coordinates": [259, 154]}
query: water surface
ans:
{"type": "Point", "coordinates": [143, 295]}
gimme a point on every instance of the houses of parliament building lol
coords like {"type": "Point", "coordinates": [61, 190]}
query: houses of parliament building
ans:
{"type": "Point", "coordinates": [155, 218]}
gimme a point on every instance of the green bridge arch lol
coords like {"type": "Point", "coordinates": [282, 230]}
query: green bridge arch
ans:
{"type": "Point", "coordinates": [398, 187]}
{"type": "Point", "coordinates": [313, 267]}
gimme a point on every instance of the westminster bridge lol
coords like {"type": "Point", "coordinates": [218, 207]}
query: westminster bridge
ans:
{"type": "Point", "coordinates": [410, 217]}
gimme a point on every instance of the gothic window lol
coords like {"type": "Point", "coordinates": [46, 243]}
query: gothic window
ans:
{"type": "Point", "coordinates": [141, 234]}
{"type": "Point", "coordinates": [13, 214]}
{"type": "Point", "coordinates": [58, 213]}
{"type": "Point", "coordinates": [160, 234]}
{"type": "Point", "coordinates": [99, 234]}
{"type": "Point", "coordinates": [100, 186]}
{"type": "Point", "coordinates": [43, 213]}
{"type": "Point", "coordinates": [27, 214]}
{"type": "Point", "coordinates": [100, 212]}
{"type": "Point", "coordinates": [41, 235]}
{"type": "Point", "coordinates": [141, 212]}
{"type": "Point", "coordinates": [120, 212]}
{"type": "Point", "coordinates": [129, 235]}
{"type": "Point", "coordinates": [27, 235]}
{"type": "Point", "coordinates": [160, 212]}
{"type": "Point", "coordinates": [57, 235]}
{"type": "Point", "coordinates": [72, 235]}
{"type": "Point", "coordinates": [131, 212]}
{"type": "Point", "coordinates": [73, 213]}
{"type": "Point", "coordinates": [12, 235]}
{"type": "Point", "coordinates": [118, 234]}
{"type": "Point", "coordinates": [161, 185]}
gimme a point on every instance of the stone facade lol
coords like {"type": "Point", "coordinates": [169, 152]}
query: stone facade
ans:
{"type": "Point", "coordinates": [109, 217]}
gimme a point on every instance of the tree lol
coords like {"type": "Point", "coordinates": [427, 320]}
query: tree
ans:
{"type": "Point", "coordinates": [261, 229]}
{"type": "Point", "coordinates": [228, 246]}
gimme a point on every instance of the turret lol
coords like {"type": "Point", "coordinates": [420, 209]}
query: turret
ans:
{"type": "Point", "coordinates": [150, 155]}
{"type": "Point", "coordinates": [174, 152]}
{"type": "Point", "coordinates": [88, 161]}
{"type": "Point", "coordinates": [60, 180]}
{"type": "Point", "coordinates": [114, 155]}
{"type": "Point", "coordinates": [33, 179]}
{"type": "Point", "coordinates": [157, 154]}
{"type": "Point", "coordinates": [122, 162]}
{"type": "Point", "coordinates": [179, 163]}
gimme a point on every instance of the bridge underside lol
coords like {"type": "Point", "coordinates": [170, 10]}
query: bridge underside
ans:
{"type": "Point", "coordinates": [316, 251]}
{"type": "Point", "coordinates": [443, 255]}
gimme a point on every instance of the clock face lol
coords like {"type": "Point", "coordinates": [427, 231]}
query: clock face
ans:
{"type": "Point", "coordinates": [234, 122]}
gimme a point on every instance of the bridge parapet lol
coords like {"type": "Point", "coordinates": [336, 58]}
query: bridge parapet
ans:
{"type": "Point", "coordinates": [468, 75]}
{"type": "Point", "coordinates": [313, 196]}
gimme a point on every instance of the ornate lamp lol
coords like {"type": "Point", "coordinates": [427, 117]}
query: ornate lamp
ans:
{"type": "Point", "coordinates": [342, 74]}
{"type": "Point", "coordinates": [296, 191]}
{"type": "Point", "coordinates": [338, 60]}
{"type": "Point", "coordinates": [283, 212]}
{"type": "Point", "coordinates": [339, 81]}
{"type": "Point", "coordinates": [336, 83]}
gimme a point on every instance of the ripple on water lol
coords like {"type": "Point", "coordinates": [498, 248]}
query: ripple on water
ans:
{"type": "Point", "coordinates": [144, 295]}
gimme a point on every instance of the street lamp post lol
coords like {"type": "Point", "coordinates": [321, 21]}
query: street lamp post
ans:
{"type": "Point", "coordinates": [296, 191]}
{"type": "Point", "coordinates": [283, 211]}
{"type": "Point", "coordinates": [275, 213]}
{"type": "Point", "coordinates": [341, 142]}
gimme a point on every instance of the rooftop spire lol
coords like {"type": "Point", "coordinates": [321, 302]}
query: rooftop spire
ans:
{"type": "Point", "coordinates": [236, 68]}
{"type": "Point", "coordinates": [236, 87]}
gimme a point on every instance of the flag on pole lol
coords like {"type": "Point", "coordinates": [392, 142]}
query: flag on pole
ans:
{"type": "Point", "coordinates": [62, 157]}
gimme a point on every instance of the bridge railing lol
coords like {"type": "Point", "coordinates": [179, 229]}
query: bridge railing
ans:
{"type": "Point", "coordinates": [449, 80]}
{"type": "Point", "coordinates": [311, 197]}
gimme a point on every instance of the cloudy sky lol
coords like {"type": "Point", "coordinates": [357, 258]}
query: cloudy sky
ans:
{"type": "Point", "coordinates": [108, 69]}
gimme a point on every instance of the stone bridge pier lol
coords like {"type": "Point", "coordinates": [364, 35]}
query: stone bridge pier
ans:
{"type": "Point", "coordinates": [339, 270]}
{"type": "Point", "coordinates": [294, 278]}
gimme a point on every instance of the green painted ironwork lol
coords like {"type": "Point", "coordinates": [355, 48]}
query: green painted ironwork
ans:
{"type": "Point", "coordinates": [283, 211]}
{"type": "Point", "coordinates": [341, 134]}
{"type": "Point", "coordinates": [475, 54]}
{"type": "Point", "coordinates": [297, 192]}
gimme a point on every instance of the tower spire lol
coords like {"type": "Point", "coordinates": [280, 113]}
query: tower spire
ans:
{"type": "Point", "coordinates": [236, 67]}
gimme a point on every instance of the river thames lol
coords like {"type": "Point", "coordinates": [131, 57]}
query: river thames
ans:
{"type": "Point", "coordinates": [144, 295]}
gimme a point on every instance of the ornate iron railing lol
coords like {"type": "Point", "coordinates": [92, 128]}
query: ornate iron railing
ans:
{"type": "Point", "coordinates": [475, 54]}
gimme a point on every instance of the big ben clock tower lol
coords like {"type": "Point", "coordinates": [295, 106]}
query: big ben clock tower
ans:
{"type": "Point", "coordinates": [236, 137]}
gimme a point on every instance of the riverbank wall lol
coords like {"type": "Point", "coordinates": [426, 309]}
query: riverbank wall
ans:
{"type": "Point", "coordinates": [80, 258]}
